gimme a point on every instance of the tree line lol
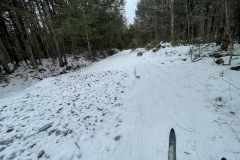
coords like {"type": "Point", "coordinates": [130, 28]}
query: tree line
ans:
{"type": "Point", "coordinates": [186, 21]}
{"type": "Point", "coordinates": [36, 29]}
{"type": "Point", "coordinates": [31, 30]}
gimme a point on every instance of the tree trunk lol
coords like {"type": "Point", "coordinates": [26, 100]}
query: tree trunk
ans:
{"type": "Point", "coordinates": [64, 56]}
{"type": "Point", "coordinates": [4, 35]}
{"type": "Point", "coordinates": [188, 23]}
{"type": "Point", "coordinates": [172, 23]}
{"type": "Point", "coordinates": [228, 31]}
{"type": "Point", "coordinates": [49, 19]}
{"type": "Point", "coordinates": [238, 33]}
{"type": "Point", "coordinates": [40, 38]}
{"type": "Point", "coordinates": [22, 27]}
{"type": "Point", "coordinates": [87, 36]}
{"type": "Point", "coordinates": [212, 32]}
{"type": "Point", "coordinates": [5, 67]}
{"type": "Point", "coordinates": [205, 31]}
{"type": "Point", "coordinates": [155, 21]}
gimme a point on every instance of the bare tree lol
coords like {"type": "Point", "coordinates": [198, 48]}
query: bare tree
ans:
{"type": "Point", "coordinates": [56, 43]}
{"type": "Point", "coordinates": [228, 30]}
{"type": "Point", "coordinates": [172, 22]}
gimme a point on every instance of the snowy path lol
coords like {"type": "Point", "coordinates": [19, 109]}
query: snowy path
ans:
{"type": "Point", "coordinates": [104, 113]}
{"type": "Point", "coordinates": [175, 96]}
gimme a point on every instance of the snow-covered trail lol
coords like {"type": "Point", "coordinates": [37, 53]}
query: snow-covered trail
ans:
{"type": "Point", "coordinates": [103, 112]}
{"type": "Point", "coordinates": [173, 95]}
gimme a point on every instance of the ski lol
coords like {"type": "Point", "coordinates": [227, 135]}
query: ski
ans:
{"type": "Point", "coordinates": [172, 145]}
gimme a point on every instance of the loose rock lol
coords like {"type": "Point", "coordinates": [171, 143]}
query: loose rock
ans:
{"type": "Point", "coordinates": [57, 133]}
{"type": "Point", "coordinates": [2, 118]}
{"type": "Point", "coordinates": [117, 138]}
{"type": "Point", "coordinates": [68, 68]}
{"type": "Point", "coordinates": [41, 153]}
{"type": "Point", "coordinates": [220, 61]}
{"type": "Point", "coordinates": [42, 70]}
{"type": "Point", "coordinates": [6, 142]}
{"type": "Point", "coordinates": [216, 55]}
{"type": "Point", "coordinates": [10, 130]}
{"type": "Point", "coordinates": [13, 155]}
{"type": "Point", "coordinates": [44, 128]}
{"type": "Point", "coordinates": [4, 106]}
{"type": "Point", "coordinates": [1, 149]}
{"type": "Point", "coordinates": [51, 132]}
{"type": "Point", "coordinates": [236, 68]}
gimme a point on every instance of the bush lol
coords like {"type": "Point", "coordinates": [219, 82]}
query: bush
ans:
{"type": "Point", "coordinates": [112, 51]}
{"type": "Point", "coordinates": [149, 46]}
{"type": "Point", "coordinates": [3, 78]}
{"type": "Point", "coordinates": [157, 47]}
{"type": "Point", "coordinates": [140, 53]}
{"type": "Point", "coordinates": [134, 43]}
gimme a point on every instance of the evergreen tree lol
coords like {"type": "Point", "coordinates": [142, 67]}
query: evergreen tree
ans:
{"type": "Point", "coordinates": [36, 29]}
{"type": "Point", "coordinates": [192, 21]}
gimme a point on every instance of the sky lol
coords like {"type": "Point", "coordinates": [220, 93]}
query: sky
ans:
{"type": "Point", "coordinates": [130, 8]}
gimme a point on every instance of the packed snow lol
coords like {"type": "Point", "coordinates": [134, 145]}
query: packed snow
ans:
{"type": "Point", "coordinates": [123, 107]}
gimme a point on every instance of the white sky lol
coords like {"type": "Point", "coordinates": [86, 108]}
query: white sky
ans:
{"type": "Point", "coordinates": [130, 10]}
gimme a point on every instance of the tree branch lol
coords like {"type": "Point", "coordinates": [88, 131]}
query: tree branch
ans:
{"type": "Point", "coordinates": [230, 84]}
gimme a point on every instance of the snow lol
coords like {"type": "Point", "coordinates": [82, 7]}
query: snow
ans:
{"type": "Point", "coordinates": [24, 77]}
{"type": "Point", "coordinates": [104, 112]}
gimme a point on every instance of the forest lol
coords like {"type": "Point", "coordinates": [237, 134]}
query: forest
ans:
{"type": "Point", "coordinates": [33, 30]}
{"type": "Point", "coordinates": [188, 21]}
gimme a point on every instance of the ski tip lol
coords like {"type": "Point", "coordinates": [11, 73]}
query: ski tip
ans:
{"type": "Point", "coordinates": [223, 158]}
{"type": "Point", "coordinates": [172, 130]}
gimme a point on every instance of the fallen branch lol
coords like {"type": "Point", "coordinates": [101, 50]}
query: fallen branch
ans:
{"type": "Point", "coordinates": [77, 145]}
{"type": "Point", "coordinates": [197, 59]}
{"type": "Point", "coordinates": [234, 132]}
{"type": "Point", "coordinates": [183, 128]}
{"type": "Point", "coordinates": [236, 68]}
{"type": "Point", "coordinates": [37, 77]}
{"type": "Point", "coordinates": [217, 122]}
{"type": "Point", "coordinates": [230, 92]}
{"type": "Point", "coordinates": [230, 84]}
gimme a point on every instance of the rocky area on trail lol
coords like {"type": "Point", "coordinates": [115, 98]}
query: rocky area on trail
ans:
{"type": "Point", "coordinates": [43, 116]}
